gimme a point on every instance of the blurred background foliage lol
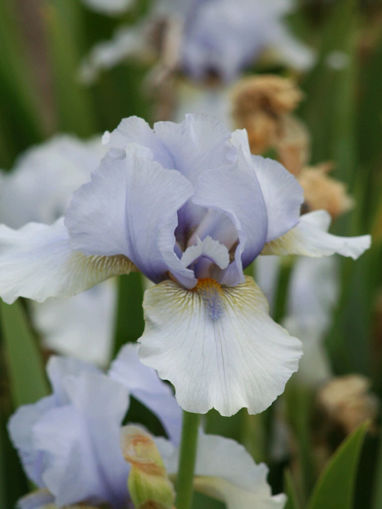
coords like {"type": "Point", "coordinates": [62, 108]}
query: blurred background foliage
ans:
{"type": "Point", "coordinates": [42, 43]}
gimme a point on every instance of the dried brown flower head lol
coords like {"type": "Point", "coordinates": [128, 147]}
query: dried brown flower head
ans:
{"type": "Point", "coordinates": [262, 105]}
{"type": "Point", "coordinates": [324, 192]}
{"type": "Point", "coordinates": [347, 402]}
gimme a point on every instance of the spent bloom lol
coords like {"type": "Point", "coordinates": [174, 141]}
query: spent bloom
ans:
{"type": "Point", "coordinates": [204, 39]}
{"type": "Point", "coordinates": [39, 188]}
{"type": "Point", "coordinates": [73, 446]}
{"type": "Point", "coordinates": [191, 208]}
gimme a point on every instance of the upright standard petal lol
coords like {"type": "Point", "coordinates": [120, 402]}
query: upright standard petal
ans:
{"type": "Point", "coordinates": [217, 345]}
{"type": "Point", "coordinates": [196, 144]}
{"type": "Point", "coordinates": [144, 384]}
{"type": "Point", "coordinates": [37, 262]}
{"type": "Point", "coordinates": [283, 195]}
{"type": "Point", "coordinates": [130, 208]}
{"type": "Point", "coordinates": [224, 470]}
{"type": "Point", "coordinates": [310, 238]}
{"type": "Point", "coordinates": [236, 193]}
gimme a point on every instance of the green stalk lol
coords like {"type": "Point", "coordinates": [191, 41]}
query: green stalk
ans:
{"type": "Point", "coordinates": [282, 287]}
{"type": "Point", "coordinates": [187, 459]}
{"type": "Point", "coordinates": [129, 322]}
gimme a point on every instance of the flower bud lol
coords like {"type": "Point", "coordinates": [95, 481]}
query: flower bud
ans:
{"type": "Point", "coordinates": [149, 485]}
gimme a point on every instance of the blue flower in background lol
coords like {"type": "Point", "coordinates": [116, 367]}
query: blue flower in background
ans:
{"type": "Point", "coordinates": [70, 443]}
{"type": "Point", "coordinates": [204, 38]}
{"type": "Point", "coordinates": [191, 208]}
{"type": "Point", "coordinates": [221, 37]}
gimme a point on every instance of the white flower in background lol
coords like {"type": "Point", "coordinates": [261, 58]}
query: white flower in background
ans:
{"type": "Point", "coordinates": [70, 442]}
{"type": "Point", "coordinates": [110, 7]}
{"type": "Point", "coordinates": [43, 179]}
{"type": "Point", "coordinates": [312, 294]}
{"type": "Point", "coordinates": [80, 326]}
{"type": "Point", "coordinates": [39, 188]}
{"type": "Point", "coordinates": [188, 206]}
{"type": "Point", "coordinates": [207, 38]}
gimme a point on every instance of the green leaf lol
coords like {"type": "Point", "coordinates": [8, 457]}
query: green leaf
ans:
{"type": "Point", "coordinates": [335, 487]}
{"type": "Point", "coordinates": [64, 29]}
{"type": "Point", "coordinates": [129, 321]}
{"type": "Point", "coordinates": [20, 123]}
{"type": "Point", "coordinates": [200, 501]}
{"type": "Point", "coordinates": [299, 402]}
{"type": "Point", "coordinates": [377, 492]}
{"type": "Point", "coordinates": [25, 366]}
{"type": "Point", "coordinates": [331, 93]}
{"type": "Point", "coordinates": [290, 490]}
{"type": "Point", "coordinates": [13, 483]}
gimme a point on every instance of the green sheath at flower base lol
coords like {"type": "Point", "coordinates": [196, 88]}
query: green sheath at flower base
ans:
{"type": "Point", "coordinates": [148, 483]}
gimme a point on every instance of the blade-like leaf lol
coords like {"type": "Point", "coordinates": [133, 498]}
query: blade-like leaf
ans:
{"type": "Point", "coordinates": [24, 363]}
{"type": "Point", "coordinates": [64, 29]}
{"type": "Point", "coordinates": [290, 490]}
{"type": "Point", "coordinates": [335, 487]}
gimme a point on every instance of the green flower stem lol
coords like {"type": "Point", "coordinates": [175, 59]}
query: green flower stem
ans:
{"type": "Point", "coordinates": [281, 296]}
{"type": "Point", "coordinates": [187, 459]}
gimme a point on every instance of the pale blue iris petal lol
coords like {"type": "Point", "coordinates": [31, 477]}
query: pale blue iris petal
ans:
{"type": "Point", "coordinates": [20, 425]}
{"type": "Point", "coordinates": [197, 144]}
{"type": "Point", "coordinates": [193, 146]}
{"type": "Point", "coordinates": [283, 196]}
{"type": "Point", "coordinates": [224, 36]}
{"type": "Point", "coordinates": [130, 208]}
{"type": "Point", "coordinates": [233, 274]}
{"type": "Point", "coordinates": [237, 193]}
{"type": "Point", "coordinates": [69, 442]}
{"type": "Point", "coordinates": [102, 404]}
{"type": "Point", "coordinates": [59, 368]}
{"type": "Point", "coordinates": [136, 130]}
{"type": "Point", "coordinates": [70, 467]}
{"type": "Point", "coordinates": [35, 500]}
{"type": "Point", "coordinates": [144, 384]}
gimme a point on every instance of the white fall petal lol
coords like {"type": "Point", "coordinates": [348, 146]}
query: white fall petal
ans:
{"type": "Point", "coordinates": [217, 345]}
{"type": "Point", "coordinates": [24, 252]}
{"type": "Point", "coordinates": [310, 238]}
{"type": "Point", "coordinates": [224, 470]}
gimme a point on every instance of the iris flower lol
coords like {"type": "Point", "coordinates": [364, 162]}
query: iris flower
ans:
{"type": "Point", "coordinates": [70, 442]}
{"type": "Point", "coordinates": [217, 38]}
{"type": "Point", "coordinates": [191, 208]}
